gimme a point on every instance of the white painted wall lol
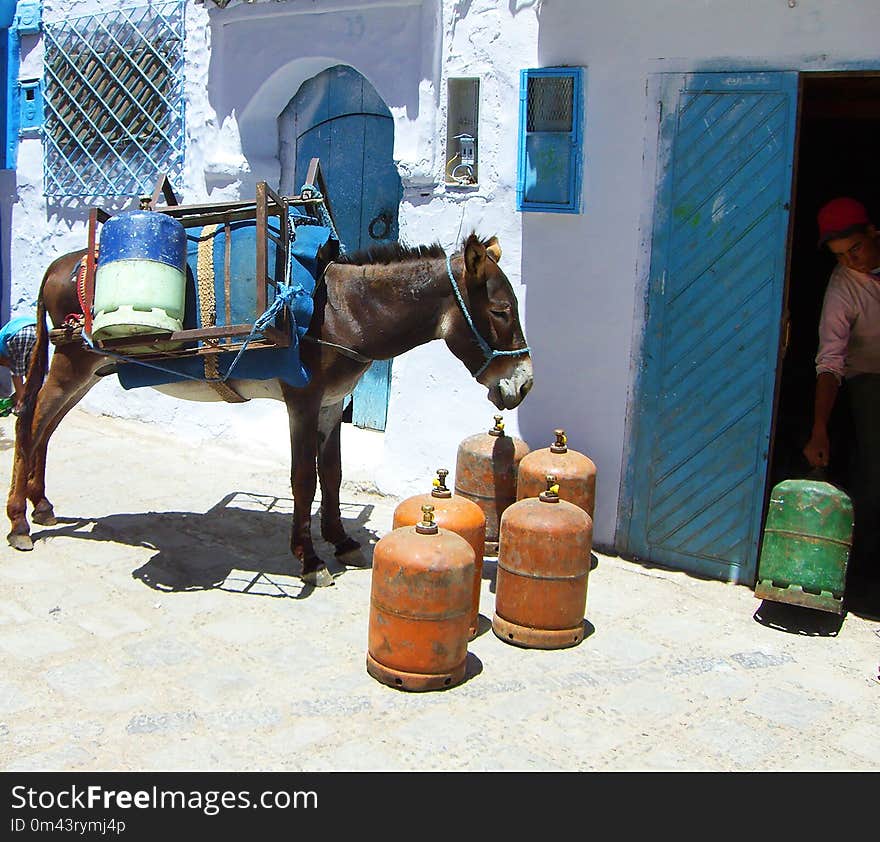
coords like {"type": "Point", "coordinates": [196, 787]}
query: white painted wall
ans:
{"type": "Point", "coordinates": [584, 274]}
{"type": "Point", "coordinates": [243, 65]}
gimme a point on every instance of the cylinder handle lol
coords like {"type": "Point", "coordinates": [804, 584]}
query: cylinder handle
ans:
{"type": "Point", "coordinates": [551, 495]}
{"type": "Point", "coordinates": [561, 443]}
{"type": "Point", "coordinates": [427, 525]}
{"type": "Point", "coordinates": [439, 483]}
{"type": "Point", "coordinates": [498, 429]}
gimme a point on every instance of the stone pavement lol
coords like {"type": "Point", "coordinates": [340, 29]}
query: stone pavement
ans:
{"type": "Point", "coordinates": [158, 627]}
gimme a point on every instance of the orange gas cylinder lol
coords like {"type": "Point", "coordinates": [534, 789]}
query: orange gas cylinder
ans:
{"type": "Point", "coordinates": [485, 473]}
{"type": "Point", "coordinates": [463, 517]}
{"type": "Point", "coordinates": [575, 474]}
{"type": "Point", "coordinates": [420, 606]}
{"type": "Point", "coordinates": [543, 565]}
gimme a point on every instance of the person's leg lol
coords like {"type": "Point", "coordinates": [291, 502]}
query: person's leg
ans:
{"type": "Point", "coordinates": [864, 395]}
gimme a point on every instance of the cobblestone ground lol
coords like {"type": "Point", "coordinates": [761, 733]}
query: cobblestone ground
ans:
{"type": "Point", "coordinates": [160, 626]}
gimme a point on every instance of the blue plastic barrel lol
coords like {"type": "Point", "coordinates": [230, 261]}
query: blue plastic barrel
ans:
{"type": "Point", "coordinates": [140, 282]}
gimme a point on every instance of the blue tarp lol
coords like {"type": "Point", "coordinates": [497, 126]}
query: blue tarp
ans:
{"type": "Point", "coordinates": [259, 363]}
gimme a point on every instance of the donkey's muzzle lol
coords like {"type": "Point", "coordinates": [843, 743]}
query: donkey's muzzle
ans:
{"type": "Point", "coordinates": [512, 390]}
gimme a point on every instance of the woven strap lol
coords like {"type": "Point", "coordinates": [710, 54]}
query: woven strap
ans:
{"type": "Point", "coordinates": [208, 310]}
{"type": "Point", "coordinates": [80, 273]}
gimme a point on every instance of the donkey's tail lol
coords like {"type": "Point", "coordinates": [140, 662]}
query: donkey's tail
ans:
{"type": "Point", "coordinates": [36, 374]}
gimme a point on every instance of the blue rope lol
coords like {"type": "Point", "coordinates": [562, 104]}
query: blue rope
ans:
{"type": "Point", "coordinates": [489, 353]}
{"type": "Point", "coordinates": [326, 219]}
{"type": "Point", "coordinates": [283, 296]}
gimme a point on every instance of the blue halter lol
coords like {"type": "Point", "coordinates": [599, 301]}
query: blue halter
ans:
{"type": "Point", "coordinates": [489, 353]}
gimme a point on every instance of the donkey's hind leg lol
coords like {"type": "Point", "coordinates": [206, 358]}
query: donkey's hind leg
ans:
{"type": "Point", "coordinates": [44, 513]}
{"type": "Point", "coordinates": [71, 375]}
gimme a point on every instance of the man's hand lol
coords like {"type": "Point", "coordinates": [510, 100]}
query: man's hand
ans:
{"type": "Point", "coordinates": [817, 449]}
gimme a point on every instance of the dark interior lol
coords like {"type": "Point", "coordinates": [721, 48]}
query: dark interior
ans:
{"type": "Point", "coordinates": [837, 155]}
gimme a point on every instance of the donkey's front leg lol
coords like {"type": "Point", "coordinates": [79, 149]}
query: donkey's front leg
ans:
{"type": "Point", "coordinates": [304, 481]}
{"type": "Point", "coordinates": [330, 475]}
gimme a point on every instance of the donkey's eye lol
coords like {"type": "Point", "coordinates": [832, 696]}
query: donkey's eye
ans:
{"type": "Point", "coordinates": [501, 311]}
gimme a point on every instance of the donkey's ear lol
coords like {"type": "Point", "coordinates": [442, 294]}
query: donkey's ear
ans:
{"type": "Point", "coordinates": [493, 249]}
{"type": "Point", "coordinates": [475, 260]}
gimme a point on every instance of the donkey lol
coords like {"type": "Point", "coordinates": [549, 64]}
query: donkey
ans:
{"type": "Point", "coordinates": [370, 305]}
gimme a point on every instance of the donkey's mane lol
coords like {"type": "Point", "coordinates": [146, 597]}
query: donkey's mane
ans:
{"type": "Point", "coordinates": [391, 253]}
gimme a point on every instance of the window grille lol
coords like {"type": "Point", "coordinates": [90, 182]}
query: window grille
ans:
{"type": "Point", "coordinates": [551, 134]}
{"type": "Point", "coordinates": [114, 101]}
{"type": "Point", "coordinates": [550, 103]}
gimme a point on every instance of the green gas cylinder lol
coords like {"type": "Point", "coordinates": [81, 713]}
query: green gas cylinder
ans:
{"type": "Point", "coordinates": [807, 541]}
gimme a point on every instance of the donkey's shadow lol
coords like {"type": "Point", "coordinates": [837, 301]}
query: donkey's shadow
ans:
{"type": "Point", "coordinates": [241, 544]}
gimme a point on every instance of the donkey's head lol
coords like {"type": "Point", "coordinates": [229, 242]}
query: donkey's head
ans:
{"type": "Point", "coordinates": [486, 334]}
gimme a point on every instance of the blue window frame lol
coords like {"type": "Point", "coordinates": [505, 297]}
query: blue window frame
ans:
{"type": "Point", "coordinates": [551, 115]}
{"type": "Point", "coordinates": [8, 75]}
{"type": "Point", "coordinates": [22, 106]}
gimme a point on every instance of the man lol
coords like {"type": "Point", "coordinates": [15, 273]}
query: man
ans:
{"type": "Point", "coordinates": [849, 349]}
{"type": "Point", "coordinates": [17, 339]}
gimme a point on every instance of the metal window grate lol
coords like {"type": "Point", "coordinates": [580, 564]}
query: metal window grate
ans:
{"type": "Point", "coordinates": [550, 104]}
{"type": "Point", "coordinates": [114, 101]}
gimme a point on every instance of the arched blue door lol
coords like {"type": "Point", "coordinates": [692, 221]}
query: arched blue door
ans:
{"type": "Point", "coordinates": [337, 116]}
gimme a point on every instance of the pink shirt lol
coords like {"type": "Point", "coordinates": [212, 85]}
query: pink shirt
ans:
{"type": "Point", "coordinates": [849, 328]}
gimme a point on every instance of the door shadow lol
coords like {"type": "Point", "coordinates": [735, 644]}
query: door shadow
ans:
{"type": "Point", "coordinates": [862, 596]}
{"type": "Point", "coordinates": [241, 544]}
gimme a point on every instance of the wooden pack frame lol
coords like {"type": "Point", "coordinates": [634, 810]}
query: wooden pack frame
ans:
{"type": "Point", "coordinates": [229, 337]}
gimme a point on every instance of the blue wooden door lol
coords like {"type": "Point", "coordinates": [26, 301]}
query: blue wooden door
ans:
{"type": "Point", "coordinates": [704, 412]}
{"type": "Point", "coordinates": [344, 122]}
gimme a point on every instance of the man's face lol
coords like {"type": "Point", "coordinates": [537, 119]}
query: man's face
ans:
{"type": "Point", "coordinates": [860, 251]}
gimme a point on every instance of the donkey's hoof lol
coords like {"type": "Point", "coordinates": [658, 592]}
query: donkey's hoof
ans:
{"type": "Point", "coordinates": [320, 578]}
{"type": "Point", "coordinates": [44, 517]}
{"type": "Point", "coordinates": [20, 542]}
{"type": "Point", "coordinates": [349, 553]}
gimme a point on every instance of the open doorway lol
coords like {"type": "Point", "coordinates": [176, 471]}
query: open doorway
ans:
{"type": "Point", "coordinates": [836, 155]}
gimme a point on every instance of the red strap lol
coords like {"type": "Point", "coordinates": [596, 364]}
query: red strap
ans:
{"type": "Point", "coordinates": [81, 287]}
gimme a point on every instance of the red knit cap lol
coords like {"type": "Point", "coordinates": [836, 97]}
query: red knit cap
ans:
{"type": "Point", "coordinates": [839, 216]}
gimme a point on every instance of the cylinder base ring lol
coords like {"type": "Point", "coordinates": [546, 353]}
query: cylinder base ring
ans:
{"type": "Point", "coordinates": [530, 638]}
{"type": "Point", "coordinates": [413, 681]}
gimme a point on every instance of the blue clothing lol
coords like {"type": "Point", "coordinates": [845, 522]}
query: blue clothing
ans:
{"type": "Point", "coordinates": [9, 330]}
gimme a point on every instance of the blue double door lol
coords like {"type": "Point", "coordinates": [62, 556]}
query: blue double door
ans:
{"type": "Point", "coordinates": [701, 432]}
{"type": "Point", "coordinates": [338, 117]}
